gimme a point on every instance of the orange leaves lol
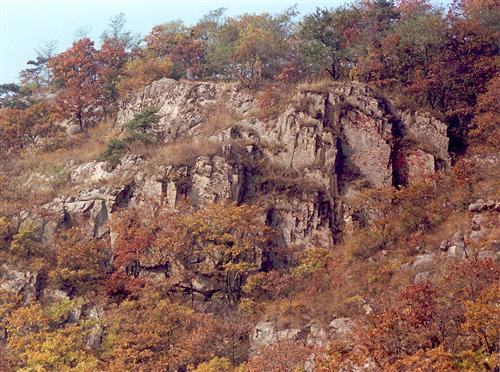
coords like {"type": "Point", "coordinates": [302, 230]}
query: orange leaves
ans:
{"type": "Point", "coordinates": [29, 127]}
{"type": "Point", "coordinates": [482, 317]}
{"type": "Point", "coordinates": [153, 333]}
{"type": "Point", "coordinates": [224, 241]}
{"type": "Point", "coordinates": [485, 133]}
{"type": "Point", "coordinates": [453, 320]}
{"type": "Point", "coordinates": [140, 237]}
{"type": "Point", "coordinates": [280, 357]}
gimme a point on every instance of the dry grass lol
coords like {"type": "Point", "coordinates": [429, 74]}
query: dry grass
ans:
{"type": "Point", "coordinates": [80, 148]}
{"type": "Point", "coordinates": [319, 84]}
{"type": "Point", "coordinates": [183, 152]}
{"type": "Point", "coordinates": [271, 102]}
{"type": "Point", "coordinates": [219, 117]}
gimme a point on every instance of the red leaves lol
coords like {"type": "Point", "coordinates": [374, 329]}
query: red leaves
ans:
{"type": "Point", "coordinates": [184, 49]}
{"type": "Point", "coordinates": [418, 304]}
{"type": "Point", "coordinates": [77, 69]}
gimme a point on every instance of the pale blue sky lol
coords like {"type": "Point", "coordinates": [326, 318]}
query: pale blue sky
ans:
{"type": "Point", "coordinates": [27, 24]}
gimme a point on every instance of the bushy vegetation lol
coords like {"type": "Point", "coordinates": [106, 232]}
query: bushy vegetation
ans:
{"type": "Point", "coordinates": [180, 289]}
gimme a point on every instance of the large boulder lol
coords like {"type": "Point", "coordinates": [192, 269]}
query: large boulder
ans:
{"type": "Point", "coordinates": [266, 333]}
{"type": "Point", "coordinates": [428, 133]}
{"type": "Point", "coordinates": [28, 284]}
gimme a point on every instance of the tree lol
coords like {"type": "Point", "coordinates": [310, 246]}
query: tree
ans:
{"type": "Point", "coordinates": [142, 71]}
{"type": "Point", "coordinates": [180, 45]}
{"type": "Point", "coordinates": [39, 75]}
{"type": "Point", "coordinates": [81, 264]}
{"type": "Point", "coordinates": [13, 95]}
{"type": "Point", "coordinates": [112, 57]}
{"type": "Point", "coordinates": [221, 241]}
{"type": "Point", "coordinates": [407, 54]}
{"type": "Point", "coordinates": [468, 65]}
{"type": "Point", "coordinates": [40, 343]}
{"type": "Point", "coordinates": [485, 129]}
{"type": "Point", "coordinates": [153, 333]}
{"type": "Point", "coordinates": [10, 134]}
{"type": "Point", "coordinates": [261, 45]}
{"type": "Point", "coordinates": [117, 34]}
{"type": "Point", "coordinates": [232, 238]}
{"type": "Point", "coordinates": [77, 71]}
{"type": "Point", "coordinates": [325, 38]}
{"type": "Point", "coordinates": [482, 318]}
{"type": "Point", "coordinates": [28, 127]}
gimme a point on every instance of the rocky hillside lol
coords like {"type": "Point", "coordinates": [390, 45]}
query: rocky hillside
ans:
{"type": "Point", "coordinates": [305, 164]}
{"type": "Point", "coordinates": [308, 161]}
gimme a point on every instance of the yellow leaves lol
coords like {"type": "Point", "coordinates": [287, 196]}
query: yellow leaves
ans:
{"type": "Point", "coordinates": [41, 347]}
{"type": "Point", "coordinates": [4, 230]}
{"type": "Point", "coordinates": [311, 261]}
{"type": "Point", "coordinates": [482, 317]}
{"type": "Point", "coordinates": [153, 333]}
{"type": "Point", "coordinates": [432, 360]}
{"type": "Point", "coordinates": [215, 364]}
{"type": "Point", "coordinates": [25, 242]}
{"type": "Point", "coordinates": [140, 72]}
{"type": "Point", "coordinates": [230, 235]}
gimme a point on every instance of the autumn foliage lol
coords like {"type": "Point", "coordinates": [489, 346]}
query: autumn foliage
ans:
{"type": "Point", "coordinates": [181, 289]}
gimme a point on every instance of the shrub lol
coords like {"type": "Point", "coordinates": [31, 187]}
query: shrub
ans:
{"type": "Point", "coordinates": [140, 124]}
{"type": "Point", "coordinates": [141, 72]}
{"type": "Point", "coordinates": [142, 121]}
{"type": "Point", "coordinates": [271, 102]}
{"type": "Point", "coordinates": [215, 364]}
{"type": "Point", "coordinates": [115, 149]}
{"type": "Point", "coordinates": [311, 261]}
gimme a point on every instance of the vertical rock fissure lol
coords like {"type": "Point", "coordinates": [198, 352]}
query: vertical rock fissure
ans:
{"type": "Point", "coordinates": [332, 122]}
{"type": "Point", "coordinates": [398, 172]}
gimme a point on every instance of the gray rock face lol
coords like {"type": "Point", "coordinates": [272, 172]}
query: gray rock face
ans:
{"type": "Point", "coordinates": [457, 247]}
{"type": "Point", "coordinates": [96, 172]}
{"type": "Point", "coordinates": [422, 277]}
{"type": "Point", "coordinates": [266, 333]}
{"type": "Point", "coordinates": [26, 283]}
{"type": "Point", "coordinates": [96, 334]}
{"type": "Point", "coordinates": [341, 327]}
{"type": "Point", "coordinates": [429, 132]}
{"type": "Point", "coordinates": [423, 260]}
{"type": "Point", "coordinates": [214, 179]}
{"type": "Point", "coordinates": [340, 141]}
{"type": "Point", "coordinates": [419, 164]}
{"type": "Point", "coordinates": [478, 206]}
{"type": "Point", "coordinates": [181, 105]}
{"type": "Point", "coordinates": [366, 147]}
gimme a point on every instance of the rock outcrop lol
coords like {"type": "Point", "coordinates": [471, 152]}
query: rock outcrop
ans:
{"type": "Point", "coordinates": [182, 105]}
{"type": "Point", "coordinates": [27, 284]}
{"type": "Point", "coordinates": [267, 333]}
{"type": "Point", "coordinates": [304, 164]}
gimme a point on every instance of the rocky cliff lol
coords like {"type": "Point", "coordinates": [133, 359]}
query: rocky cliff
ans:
{"type": "Point", "coordinates": [304, 164]}
{"type": "Point", "coordinates": [326, 146]}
